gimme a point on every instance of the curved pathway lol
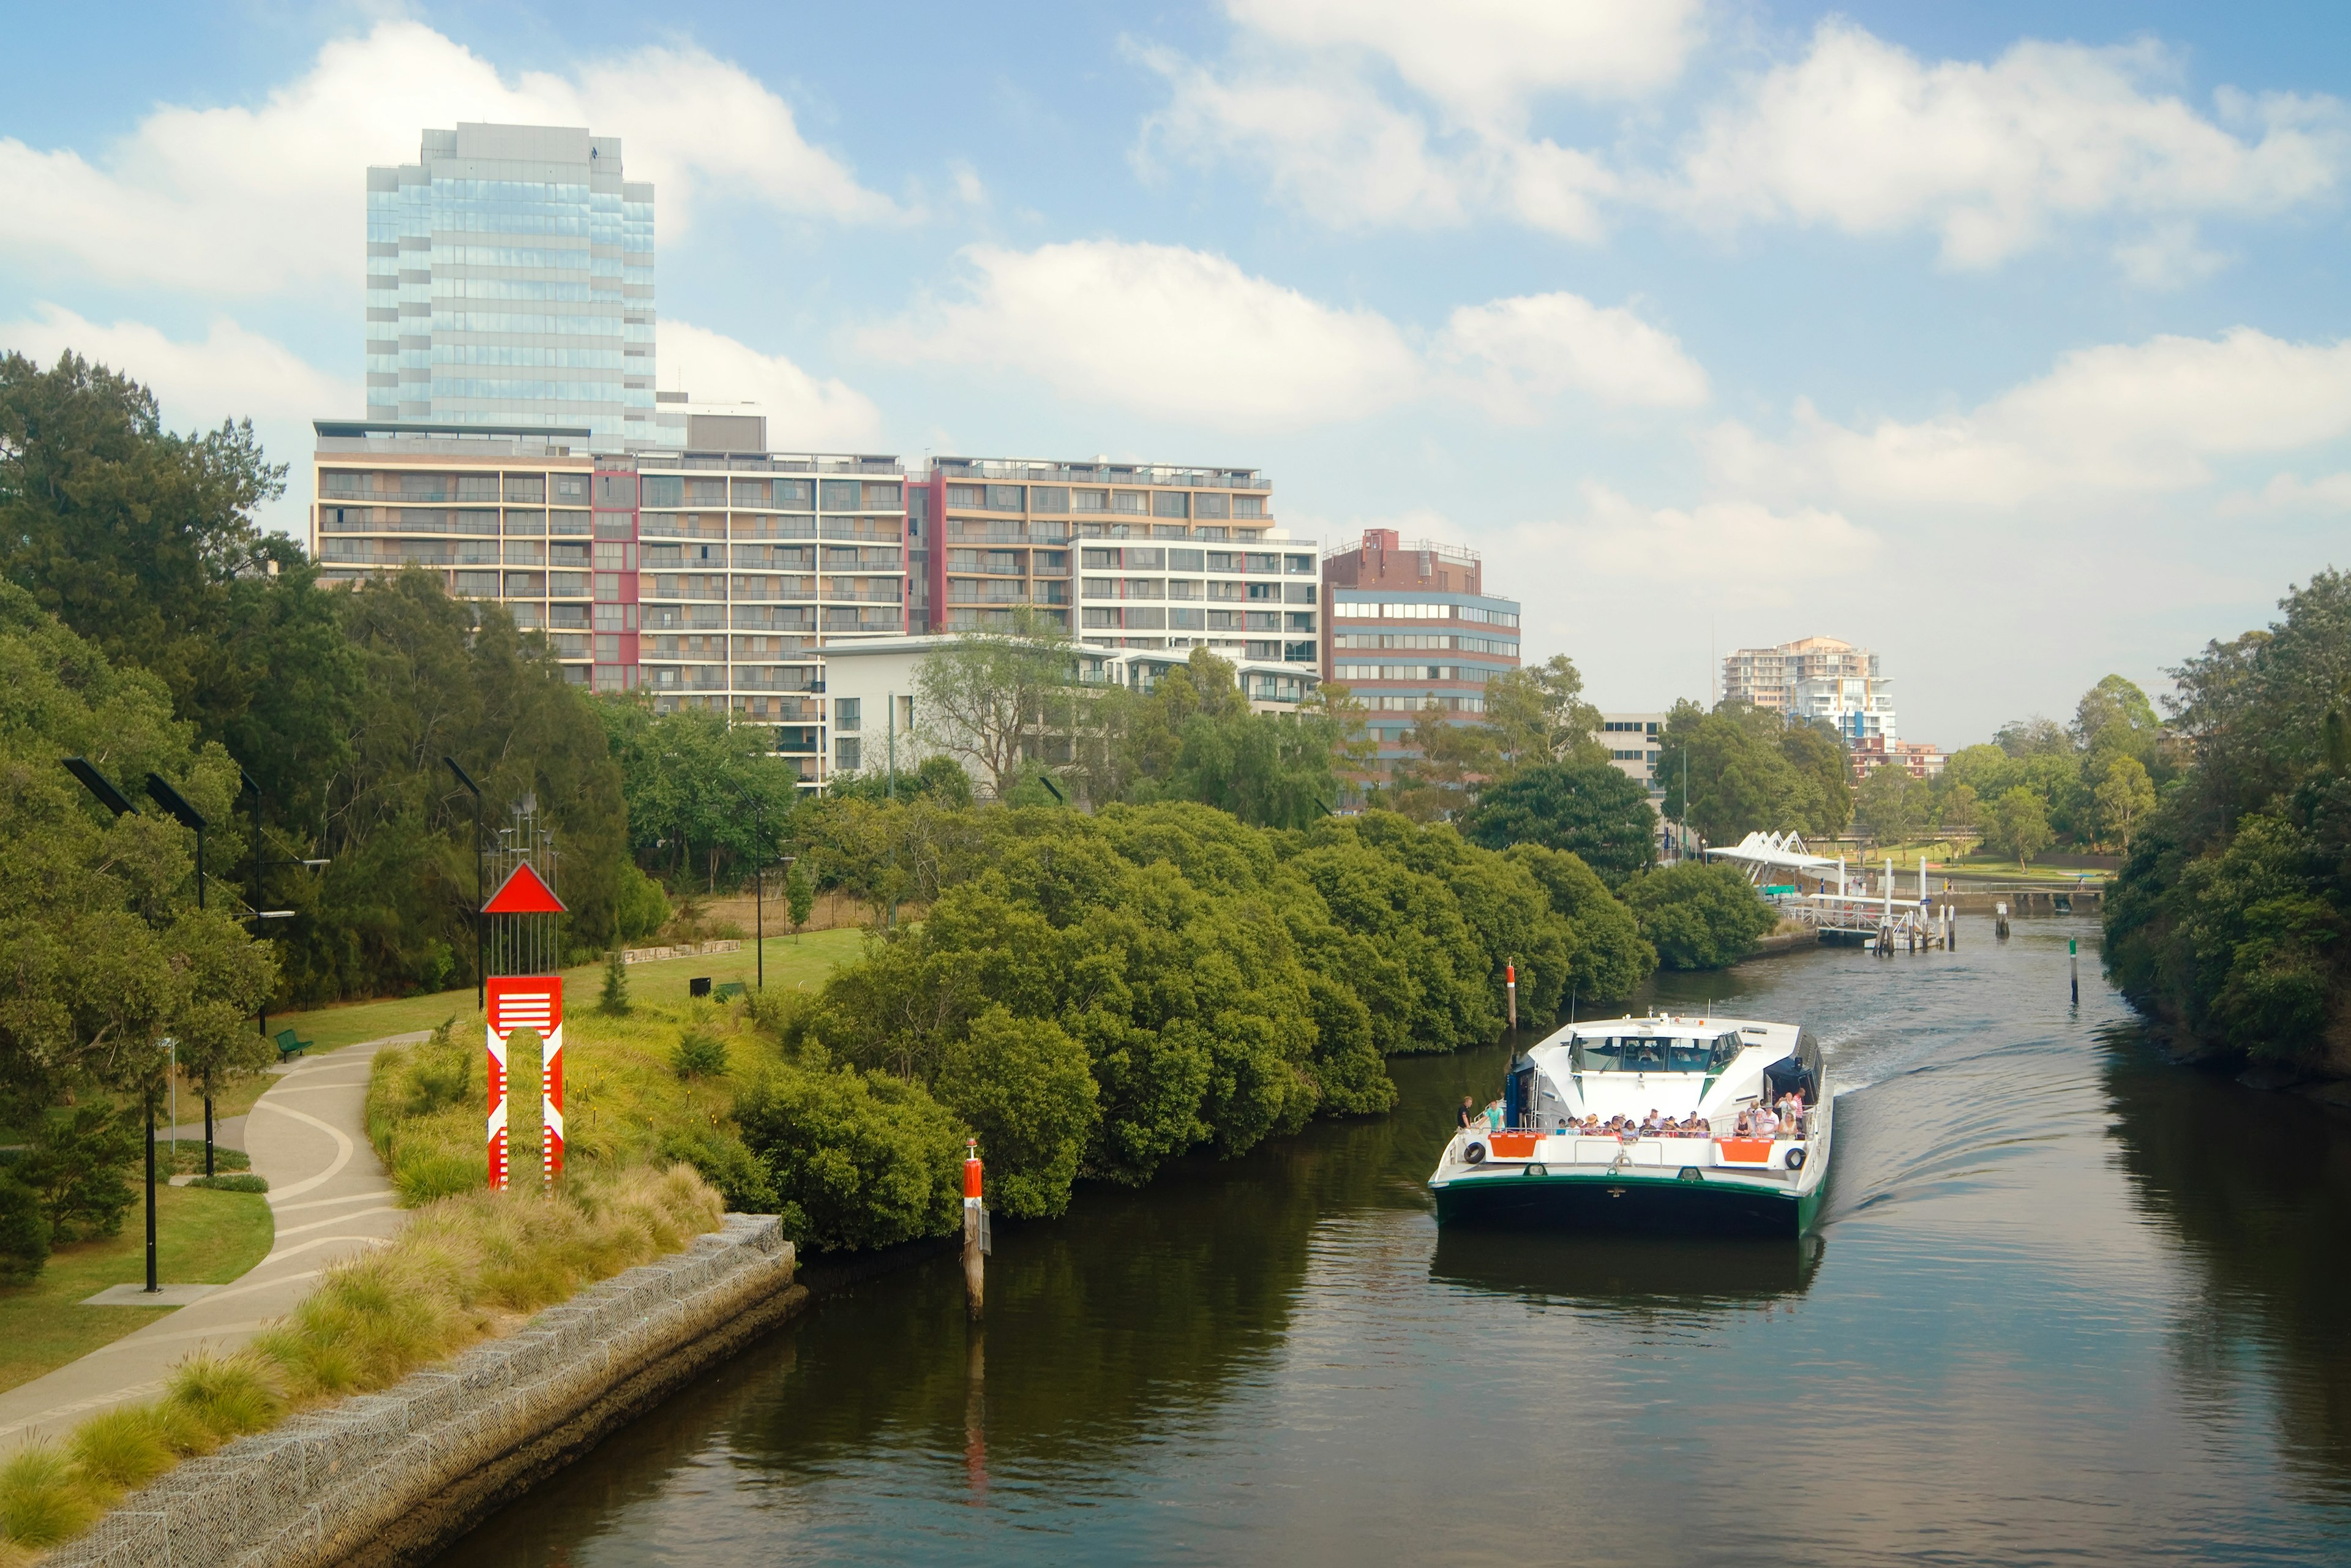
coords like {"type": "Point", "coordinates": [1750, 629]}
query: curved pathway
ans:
{"type": "Point", "coordinates": [330, 1200]}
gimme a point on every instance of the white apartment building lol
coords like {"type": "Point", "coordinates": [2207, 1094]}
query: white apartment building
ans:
{"type": "Point", "coordinates": [875, 721]}
{"type": "Point", "coordinates": [1816, 678]}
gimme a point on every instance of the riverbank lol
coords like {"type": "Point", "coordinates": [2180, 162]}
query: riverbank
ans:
{"type": "Point", "coordinates": [394, 1477]}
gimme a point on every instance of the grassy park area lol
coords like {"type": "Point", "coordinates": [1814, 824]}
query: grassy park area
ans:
{"type": "Point", "coordinates": [805, 959]}
{"type": "Point", "coordinates": [203, 1238]}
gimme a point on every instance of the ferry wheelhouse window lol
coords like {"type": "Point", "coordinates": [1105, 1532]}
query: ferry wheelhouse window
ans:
{"type": "Point", "coordinates": [1655, 1053]}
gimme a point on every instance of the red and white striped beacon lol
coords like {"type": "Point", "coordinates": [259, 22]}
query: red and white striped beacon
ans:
{"type": "Point", "coordinates": [534, 1002]}
{"type": "Point", "coordinates": [1511, 983]}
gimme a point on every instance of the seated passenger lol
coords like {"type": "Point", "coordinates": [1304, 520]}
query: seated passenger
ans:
{"type": "Point", "coordinates": [1745, 1127]}
{"type": "Point", "coordinates": [1705, 1128]}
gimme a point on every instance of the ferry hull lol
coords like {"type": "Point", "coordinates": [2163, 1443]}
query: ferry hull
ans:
{"type": "Point", "coordinates": [1614, 1202]}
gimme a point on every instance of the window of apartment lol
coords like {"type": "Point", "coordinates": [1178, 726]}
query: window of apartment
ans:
{"type": "Point", "coordinates": [839, 494]}
{"type": "Point", "coordinates": [706, 492]}
{"type": "Point", "coordinates": [1085, 500]}
{"type": "Point", "coordinates": [1263, 563]}
{"type": "Point", "coordinates": [847, 754]}
{"type": "Point", "coordinates": [1299, 565]}
{"type": "Point", "coordinates": [848, 713]}
{"type": "Point", "coordinates": [881, 497]}
{"type": "Point", "coordinates": [1208, 505]}
{"type": "Point", "coordinates": [1144, 588]}
{"type": "Point", "coordinates": [1298, 592]}
{"type": "Point", "coordinates": [1100, 560]}
{"type": "Point", "coordinates": [1145, 560]}
{"type": "Point", "coordinates": [1185, 560]}
{"type": "Point", "coordinates": [616, 490]}
{"type": "Point", "coordinates": [1170, 504]}
{"type": "Point", "coordinates": [526, 522]}
{"type": "Point", "coordinates": [572, 487]}
{"type": "Point", "coordinates": [1249, 506]}
{"type": "Point", "coordinates": [965, 495]}
{"type": "Point", "coordinates": [1098, 586]}
{"type": "Point", "coordinates": [1048, 498]}
{"type": "Point", "coordinates": [790, 493]}
{"type": "Point", "coordinates": [1179, 588]}
{"type": "Point", "coordinates": [1135, 501]}
{"type": "Point", "coordinates": [754, 492]}
{"type": "Point", "coordinates": [1003, 498]}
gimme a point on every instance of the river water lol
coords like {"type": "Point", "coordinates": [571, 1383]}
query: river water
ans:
{"type": "Point", "coordinates": [2069, 1303]}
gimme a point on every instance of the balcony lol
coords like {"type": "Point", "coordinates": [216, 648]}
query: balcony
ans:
{"type": "Point", "coordinates": [890, 532]}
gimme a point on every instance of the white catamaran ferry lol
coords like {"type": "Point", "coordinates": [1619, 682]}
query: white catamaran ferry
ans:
{"type": "Point", "coordinates": [1650, 1123]}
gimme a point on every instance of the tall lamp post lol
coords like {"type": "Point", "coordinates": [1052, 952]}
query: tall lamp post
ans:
{"type": "Point", "coordinates": [107, 796]}
{"type": "Point", "coordinates": [261, 1014]}
{"type": "Point", "coordinates": [480, 893]}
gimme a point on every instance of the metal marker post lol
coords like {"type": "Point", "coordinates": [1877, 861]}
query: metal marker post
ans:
{"type": "Point", "coordinates": [2074, 962]}
{"type": "Point", "coordinates": [975, 1221]}
{"type": "Point", "coordinates": [1510, 984]}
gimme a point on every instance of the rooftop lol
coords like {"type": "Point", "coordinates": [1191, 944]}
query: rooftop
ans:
{"type": "Point", "coordinates": [1099, 471]}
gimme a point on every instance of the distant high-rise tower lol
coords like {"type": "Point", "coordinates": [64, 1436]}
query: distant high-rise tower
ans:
{"type": "Point", "coordinates": [510, 282]}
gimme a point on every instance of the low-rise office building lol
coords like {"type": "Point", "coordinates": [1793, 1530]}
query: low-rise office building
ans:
{"type": "Point", "coordinates": [876, 721]}
{"type": "Point", "coordinates": [1631, 740]}
{"type": "Point", "coordinates": [1411, 624]}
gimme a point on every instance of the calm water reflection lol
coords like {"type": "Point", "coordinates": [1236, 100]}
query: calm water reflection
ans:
{"type": "Point", "coordinates": [2070, 1304]}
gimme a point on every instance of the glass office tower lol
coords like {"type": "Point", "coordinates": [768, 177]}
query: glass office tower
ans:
{"type": "Point", "coordinates": [510, 282]}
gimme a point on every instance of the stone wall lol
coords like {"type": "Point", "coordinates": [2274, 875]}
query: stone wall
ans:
{"type": "Point", "coordinates": [391, 1478]}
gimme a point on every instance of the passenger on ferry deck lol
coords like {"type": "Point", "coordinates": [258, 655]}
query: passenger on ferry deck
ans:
{"type": "Point", "coordinates": [1766, 1125]}
{"type": "Point", "coordinates": [1792, 1113]}
{"type": "Point", "coordinates": [1745, 1126]}
{"type": "Point", "coordinates": [1467, 1116]}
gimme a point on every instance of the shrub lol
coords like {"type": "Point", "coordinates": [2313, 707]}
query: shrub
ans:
{"type": "Point", "coordinates": [1700, 917]}
{"type": "Point", "coordinates": [860, 1159]}
{"type": "Point", "coordinates": [723, 1160]}
{"type": "Point", "coordinates": [698, 1055]}
{"type": "Point", "coordinates": [1025, 1088]}
{"type": "Point", "coordinates": [23, 1232]}
{"type": "Point", "coordinates": [41, 1502]}
{"type": "Point", "coordinates": [614, 1002]}
{"type": "Point", "coordinates": [78, 1166]}
{"type": "Point", "coordinates": [238, 1182]}
{"type": "Point", "coordinates": [644, 908]}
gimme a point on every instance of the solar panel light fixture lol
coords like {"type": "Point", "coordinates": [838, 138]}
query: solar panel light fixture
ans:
{"type": "Point", "coordinates": [96, 783]}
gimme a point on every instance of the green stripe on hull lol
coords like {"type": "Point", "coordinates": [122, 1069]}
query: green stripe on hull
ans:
{"type": "Point", "coordinates": [1626, 1203]}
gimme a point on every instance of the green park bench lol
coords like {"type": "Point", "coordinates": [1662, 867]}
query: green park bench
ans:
{"type": "Point", "coordinates": [291, 1045]}
{"type": "Point", "coordinates": [728, 991]}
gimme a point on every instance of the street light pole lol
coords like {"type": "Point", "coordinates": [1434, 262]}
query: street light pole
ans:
{"type": "Point", "coordinates": [107, 795]}
{"type": "Point", "coordinates": [480, 893]}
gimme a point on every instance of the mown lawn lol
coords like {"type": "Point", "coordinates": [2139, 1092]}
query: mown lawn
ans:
{"type": "Point", "coordinates": [805, 959]}
{"type": "Point", "coordinates": [201, 1237]}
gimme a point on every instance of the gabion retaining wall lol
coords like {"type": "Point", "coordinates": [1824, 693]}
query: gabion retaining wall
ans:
{"type": "Point", "coordinates": [390, 1477]}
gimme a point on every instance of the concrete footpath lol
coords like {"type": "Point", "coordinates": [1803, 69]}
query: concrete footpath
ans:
{"type": "Point", "coordinates": [329, 1200]}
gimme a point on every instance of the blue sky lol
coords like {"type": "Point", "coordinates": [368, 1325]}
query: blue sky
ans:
{"type": "Point", "coordinates": [2008, 341]}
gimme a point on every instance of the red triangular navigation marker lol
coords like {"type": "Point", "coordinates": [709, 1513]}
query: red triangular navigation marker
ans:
{"type": "Point", "coordinates": [523, 893]}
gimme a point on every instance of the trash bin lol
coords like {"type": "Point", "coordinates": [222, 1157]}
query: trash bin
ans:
{"type": "Point", "coordinates": [699, 986]}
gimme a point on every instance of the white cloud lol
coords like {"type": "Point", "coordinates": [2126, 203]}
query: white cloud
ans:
{"type": "Point", "coordinates": [1855, 133]}
{"type": "Point", "coordinates": [803, 413]}
{"type": "Point", "coordinates": [1522, 350]}
{"type": "Point", "coordinates": [1481, 58]}
{"type": "Point", "coordinates": [2121, 418]}
{"type": "Point", "coordinates": [2292, 492]}
{"type": "Point", "coordinates": [1165, 332]}
{"type": "Point", "coordinates": [1735, 544]}
{"type": "Point", "coordinates": [229, 373]}
{"type": "Point", "coordinates": [249, 200]}
{"type": "Point", "coordinates": [1864, 136]}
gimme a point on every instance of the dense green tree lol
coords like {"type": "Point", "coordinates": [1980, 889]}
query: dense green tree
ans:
{"type": "Point", "coordinates": [128, 534]}
{"type": "Point", "coordinates": [2229, 919]}
{"type": "Point", "coordinates": [1824, 800]}
{"type": "Point", "coordinates": [1735, 773]}
{"type": "Point", "coordinates": [1700, 917]}
{"type": "Point", "coordinates": [859, 1160]}
{"type": "Point", "coordinates": [103, 951]}
{"type": "Point", "coordinates": [1608, 956]}
{"type": "Point", "coordinates": [704, 793]}
{"type": "Point", "coordinates": [1538, 714]}
{"type": "Point", "coordinates": [1026, 1090]}
{"type": "Point", "coordinates": [2017, 824]}
{"type": "Point", "coordinates": [1892, 803]}
{"type": "Point", "coordinates": [1588, 809]}
{"type": "Point", "coordinates": [2124, 797]}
